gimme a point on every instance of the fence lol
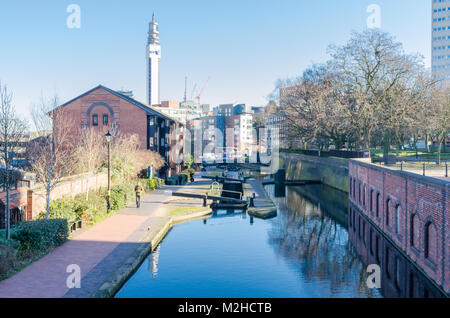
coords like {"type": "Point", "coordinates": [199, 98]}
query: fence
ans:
{"type": "Point", "coordinates": [347, 154]}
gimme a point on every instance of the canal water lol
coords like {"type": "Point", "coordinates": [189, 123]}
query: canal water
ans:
{"type": "Point", "coordinates": [303, 252]}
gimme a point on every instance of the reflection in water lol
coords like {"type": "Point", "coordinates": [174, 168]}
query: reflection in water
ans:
{"type": "Point", "coordinates": [153, 262]}
{"type": "Point", "coordinates": [399, 276]}
{"type": "Point", "coordinates": [303, 252]}
{"type": "Point", "coordinates": [315, 241]}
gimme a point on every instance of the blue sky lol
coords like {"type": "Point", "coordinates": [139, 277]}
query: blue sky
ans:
{"type": "Point", "coordinates": [243, 45]}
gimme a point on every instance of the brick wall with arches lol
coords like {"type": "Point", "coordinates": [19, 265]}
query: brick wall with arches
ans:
{"type": "Point", "coordinates": [411, 210]}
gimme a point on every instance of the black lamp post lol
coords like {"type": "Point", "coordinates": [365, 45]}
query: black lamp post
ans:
{"type": "Point", "coordinates": [108, 142]}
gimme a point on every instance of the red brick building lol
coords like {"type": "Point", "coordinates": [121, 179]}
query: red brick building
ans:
{"type": "Point", "coordinates": [103, 108]}
{"type": "Point", "coordinates": [411, 210]}
{"type": "Point", "coordinates": [20, 198]}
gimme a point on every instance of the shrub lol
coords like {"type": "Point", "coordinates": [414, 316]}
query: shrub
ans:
{"type": "Point", "coordinates": [173, 180]}
{"type": "Point", "coordinates": [159, 182]}
{"type": "Point", "coordinates": [151, 184]}
{"type": "Point", "coordinates": [184, 178]}
{"type": "Point", "coordinates": [65, 208]}
{"type": "Point", "coordinates": [39, 235]}
{"type": "Point", "coordinates": [8, 257]}
{"type": "Point", "coordinates": [121, 194]}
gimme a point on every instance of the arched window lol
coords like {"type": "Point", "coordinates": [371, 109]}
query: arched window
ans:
{"type": "Point", "coordinates": [378, 205]}
{"type": "Point", "coordinates": [430, 247]}
{"type": "Point", "coordinates": [359, 192]}
{"type": "Point", "coordinates": [414, 239]}
{"type": "Point", "coordinates": [387, 262]}
{"type": "Point", "coordinates": [388, 202]}
{"type": "Point", "coordinates": [371, 201]}
{"type": "Point", "coordinates": [398, 212]}
{"type": "Point", "coordinates": [364, 195]}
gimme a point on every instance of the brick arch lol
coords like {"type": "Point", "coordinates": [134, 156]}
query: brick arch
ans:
{"type": "Point", "coordinates": [89, 110]}
{"type": "Point", "coordinates": [415, 228]}
{"type": "Point", "coordinates": [398, 216]}
{"type": "Point", "coordinates": [430, 247]}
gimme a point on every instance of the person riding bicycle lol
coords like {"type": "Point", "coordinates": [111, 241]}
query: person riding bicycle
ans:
{"type": "Point", "coordinates": [138, 190]}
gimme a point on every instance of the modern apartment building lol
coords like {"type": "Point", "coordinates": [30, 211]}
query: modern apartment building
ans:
{"type": "Point", "coordinates": [440, 39]}
{"type": "Point", "coordinates": [243, 137]}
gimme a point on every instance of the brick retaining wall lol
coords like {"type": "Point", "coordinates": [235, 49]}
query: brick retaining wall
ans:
{"type": "Point", "coordinates": [68, 188]}
{"type": "Point", "coordinates": [412, 210]}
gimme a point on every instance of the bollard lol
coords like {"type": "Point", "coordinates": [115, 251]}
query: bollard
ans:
{"type": "Point", "coordinates": [204, 200]}
{"type": "Point", "coordinates": [424, 170]}
{"type": "Point", "coordinates": [401, 166]}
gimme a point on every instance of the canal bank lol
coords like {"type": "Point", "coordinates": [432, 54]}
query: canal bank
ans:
{"type": "Point", "coordinates": [110, 287]}
{"type": "Point", "coordinates": [102, 253]}
{"type": "Point", "coordinates": [302, 252]}
{"type": "Point", "coordinates": [331, 171]}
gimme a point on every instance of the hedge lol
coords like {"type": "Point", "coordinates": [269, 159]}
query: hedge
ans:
{"type": "Point", "coordinates": [39, 235]}
{"type": "Point", "coordinates": [178, 179]}
{"type": "Point", "coordinates": [154, 183]}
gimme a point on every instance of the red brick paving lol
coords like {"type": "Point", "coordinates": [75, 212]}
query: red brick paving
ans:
{"type": "Point", "coordinates": [47, 276]}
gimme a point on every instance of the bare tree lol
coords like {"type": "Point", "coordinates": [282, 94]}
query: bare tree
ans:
{"type": "Point", "coordinates": [90, 153]}
{"type": "Point", "coordinates": [50, 154]}
{"type": "Point", "coordinates": [128, 159]}
{"type": "Point", "coordinates": [440, 117]}
{"type": "Point", "coordinates": [312, 111]}
{"type": "Point", "coordinates": [12, 129]}
{"type": "Point", "coordinates": [370, 68]}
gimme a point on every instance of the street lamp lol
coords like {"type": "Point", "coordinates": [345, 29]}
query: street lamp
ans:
{"type": "Point", "coordinates": [108, 137]}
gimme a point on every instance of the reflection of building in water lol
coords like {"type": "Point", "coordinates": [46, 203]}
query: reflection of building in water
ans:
{"type": "Point", "coordinates": [153, 262]}
{"type": "Point", "coordinates": [399, 276]}
{"type": "Point", "coordinates": [315, 243]}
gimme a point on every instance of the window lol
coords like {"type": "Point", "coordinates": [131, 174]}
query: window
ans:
{"type": "Point", "coordinates": [377, 249]}
{"type": "Point", "coordinates": [364, 195]}
{"type": "Point", "coordinates": [414, 240]}
{"type": "Point", "coordinates": [105, 119]}
{"type": "Point", "coordinates": [398, 212]}
{"type": "Point", "coordinates": [377, 210]}
{"type": "Point", "coordinates": [371, 201]}
{"type": "Point", "coordinates": [387, 212]}
{"type": "Point", "coordinates": [371, 241]}
{"type": "Point", "coordinates": [364, 232]}
{"type": "Point", "coordinates": [397, 272]}
{"type": "Point", "coordinates": [430, 241]}
{"type": "Point", "coordinates": [95, 120]}
{"type": "Point", "coordinates": [387, 263]}
{"type": "Point", "coordinates": [359, 192]}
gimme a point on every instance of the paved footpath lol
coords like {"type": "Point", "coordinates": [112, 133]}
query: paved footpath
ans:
{"type": "Point", "coordinates": [98, 251]}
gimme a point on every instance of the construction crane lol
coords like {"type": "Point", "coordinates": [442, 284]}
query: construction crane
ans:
{"type": "Point", "coordinates": [201, 91]}
{"type": "Point", "coordinates": [193, 91]}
